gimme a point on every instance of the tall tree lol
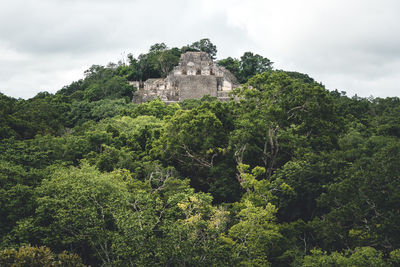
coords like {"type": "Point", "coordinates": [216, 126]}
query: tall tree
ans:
{"type": "Point", "coordinates": [252, 64]}
{"type": "Point", "coordinates": [205, 45]}
{"type": "Point", "coordinates": [249, 65]}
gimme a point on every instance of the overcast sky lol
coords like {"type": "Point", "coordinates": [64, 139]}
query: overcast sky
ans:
{"type": "Point", "coordinates": [349, 45]}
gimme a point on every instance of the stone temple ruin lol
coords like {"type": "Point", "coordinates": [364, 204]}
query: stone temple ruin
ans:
{"type": "Point", "coordinates": [195, 76]}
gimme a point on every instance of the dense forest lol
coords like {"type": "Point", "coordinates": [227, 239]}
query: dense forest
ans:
{"type": "Point", "coordinates": [287, 173]}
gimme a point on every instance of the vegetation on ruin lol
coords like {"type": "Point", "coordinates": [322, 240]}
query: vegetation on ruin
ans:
{"type": "Point", "coordinates": [288, 174]}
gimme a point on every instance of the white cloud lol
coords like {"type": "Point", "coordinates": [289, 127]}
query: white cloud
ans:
{"type": "Point", "coordinates": [349, 45]}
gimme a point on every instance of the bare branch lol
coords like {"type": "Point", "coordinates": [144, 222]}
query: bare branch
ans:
{"type": "Point", "coordinates": [291, 113]}
{"type": "Point", "coordinates": [198, 159]}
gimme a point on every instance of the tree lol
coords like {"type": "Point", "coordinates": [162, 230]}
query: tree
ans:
{"type": "Point", "coordinates": [171, 225]}
{"type": "Point", "coordinates": [248, 66]}
{"type": "Point", "coordinates": [363, 256]}
{"type": "Point", "coordinates": [158, 47]}
{"type": "Point", "coordinates": [365, 216]}
{"type": "Point", "coordinates": [254, 237]}
{"type": "Point", "coordinates": [7, 122]}
{"type": "Point", "coordinates": [205, 45]}
{"type": "Point", "coordinates": [156, 108]}
{"type": "Point", "coordinates": [252, 64]}
{"type": "Point", "coordinates": [195, 142]}
{"type": "Point", "coordinates": [166, 61]}
{"type": "Point", "coordinates": [277, 107]}
{"type": "Point", "coordinates": [80, 205]}
{"type": "Point", "coordinates": [231, 64]}
{"type": "Point", "coordinates": [38, 256]}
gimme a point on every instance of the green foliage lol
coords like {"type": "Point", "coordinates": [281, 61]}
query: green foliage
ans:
{"type": "Point", "coordinates": [155, 108]}
{"type": "Point", "coordinates": [253, 237]}
{"type": "Point", "coordinates": [231, 64]}
{"type": "Point", "coordinates": [252, 64]}
{"type": "Point", "coordinates": [43, 114]}
{"type": "Point", "coordinates": [204, 45]}
{"type": "Point", "coordinates": [276, 113]}
{"type": "Point", "coordinates": [395, 257]}
{"type": "Point", "coordinates": [299, 76]}
{"type": "Point", "coordinates": [249, 65]}
{"type": "Point", "coordinates": [363, 256]}
{"type": "Point", "coordinates": [307, 174]}
{"type": "Point", "coordinates": [79, 205]}
{"type": "Point", "coordinates": [37, 256]}
{"type": "Point", "coordinates": [195, 142]}
{"type": "Point", "coordinates": [285, 174]}
{"type": "Point", "coordinates": [7, 122]}
{"type": "Point", "coordinates": [83, 111]}
{"type": "Point", "coordinates": [371, 208]}
{"type": "Point", "coordinates": [100, 83]}
{"type": "Point", "coordinates": [158, 62]}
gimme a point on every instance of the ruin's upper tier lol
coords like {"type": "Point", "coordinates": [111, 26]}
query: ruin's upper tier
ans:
{"type": "Point", "coordinates": [199, 63]}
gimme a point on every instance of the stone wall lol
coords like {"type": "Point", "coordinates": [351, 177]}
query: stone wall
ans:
{"type": "Point", "coordinates": [196, 87]}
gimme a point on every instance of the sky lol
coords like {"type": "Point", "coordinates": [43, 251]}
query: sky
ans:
{"type": "Point", "coordinates": [348, 45]}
